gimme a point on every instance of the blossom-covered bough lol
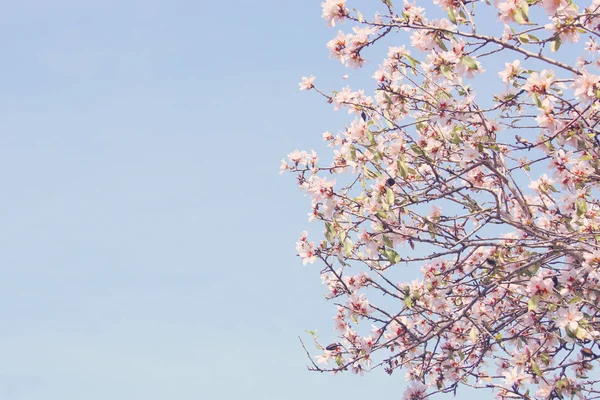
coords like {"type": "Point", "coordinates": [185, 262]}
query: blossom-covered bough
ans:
{"type": "Point", "coordinates": [485, 182]}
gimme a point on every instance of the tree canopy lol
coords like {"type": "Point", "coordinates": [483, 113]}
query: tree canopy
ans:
{"type": "Point", "coordinates": [473, 162]}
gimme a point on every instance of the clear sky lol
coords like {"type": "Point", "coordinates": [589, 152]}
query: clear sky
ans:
{"type": "Point", "coordinates": [147, 238]}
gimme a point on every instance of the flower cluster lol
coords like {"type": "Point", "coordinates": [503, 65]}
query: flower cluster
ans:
{"type": "Point", "coordinates": [488, 200]}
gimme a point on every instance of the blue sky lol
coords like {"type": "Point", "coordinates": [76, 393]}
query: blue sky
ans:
{"type": "Point", "coordinates": [147, 238]}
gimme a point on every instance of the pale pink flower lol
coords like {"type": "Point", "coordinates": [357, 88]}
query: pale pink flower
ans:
{"type": "Point", "coordinates": [511, 71]}
{"type": "Point", "coordinates": [283, 167]}
{"type": "Point", "coordinates": [343, 97]}
{"type": "Point", "coordinates": [516, 376]}
{"type": "Point", "coordinates": [586, 85]}
{"type": "Point", "coordinates": [307, 83]}
{"type": "Point", "coordinates": [416, 391]}
{"type": "Point", "coordinates": [507, 33]}
{"type": "Point", "coordinates": [507, 10]}
{"type": "Point", "coordinates": [325, 357]}
{"type": "Point", "coordinates": [413, 13]}
{"type": "Point", "coordinates": [436, 212]}
{"type": "Point", "coordinates": [333, 11]}
{"type": "Point", "coordinates": [337, 46]}
{"type": "Point", "coordinates": [592, 260]}
{"type": "Point", "coordinates": [359, 304]}
{"type": "Point", "coordinates": [299, 156]}
{"type": "Point", "coordinates": [538, 285]}
{"type": "Point", "coordinates": [544, 391]}
{"type": "Point", "coordinates": [569, 317]}
{"type": "Point", "coordinates": [550, 6]}
{"type": "Point", "coordinates": [306, 250]}
{"type": "Point", "coordinates": [422, 40]}
{"type": "Point", "coordinates": [540, 83]}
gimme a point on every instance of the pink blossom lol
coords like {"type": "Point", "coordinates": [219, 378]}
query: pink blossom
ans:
{"type": "Point", "coordinates": [511, 71]}
{"type": "Point", "coordinates": [569, 318]}
{"type": "Point", "coordinates": [325, 357]}
{"type": "Point", "coordinates": [507, 33]}
{"type": "Point", "coordinates": [539, 286]}
{"type": "Point", "coordinates": [539, 83]}
{"type": "Point", "coordinates": [359, 304]}
{"type": "Point", "coordinates": [499, 236]}
{"type": "Point", "coordinates": [416, 391]}
{"type": "Point", "coordinates": [516, 376]}
{"type": "Point", "coordinates": [546, 119]}
{"type": "Point", "coordinates": [592, 260]}
{"type": "Point", "coordinates": [507, 10]}
{"type": "Point", "coordinates": [413, 13]}
{"type": "Point", "coordinates": [307, 83]}
{"type": "Point", "coordinates": [306, 250]}
{"type": "Point", "coordinates": [586, 85]}
{"type": "Point", "coordinates": [551, 6]}
{"type": "Point", "coordinates": [334, 10]}
{"type": "Point", "coordinates": [337, 46]}
{"type": "Point", "coordinates": [283, 167]}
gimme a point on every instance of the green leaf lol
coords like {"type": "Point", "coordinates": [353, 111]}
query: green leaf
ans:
{"type": "Point", "coordinates": [387, 241]}
{"type": "Point", "coordinates": [534, 301]}
{"type": "Point", "coordinates": [370, 137]}
{"type": "Point", "coordinates": [392, 256]}
{"type": "Point", "coordinates": [469, 62]}
{"type": "Point", "coordinates": [523, 38]}
{"type": "Point", "coordinates": [536, 99]}
{"type": "Point", "coordinates": [416, 149]}
{"type": "Point", "coordinates": [562, 384]}
{"type": "Point", "coordinates": [348, 246]}
{"type": "Point", "coordinates": [387, 98]}
{"type": "Point", "coordinates": [451, 15]}
{"type": "Point", "coordinates": [329, 232]}
{"type": "Point", "coordinates": [402, 168]}
{"type": "Point", "coordinates": [390, 196]}
{"type": "Point", "coordinates": [413, 61]}
{"type": "Point", "coordinates": [440, 42]}
{"type": "Point", "coordinates": [525, 9]}
{"type": "Point", "coordinates": [473, 334]}
{"type": "Point", "coordinates": [359, 15]}
{"type": "Point", "coordinates": [521, 16]}
{"type": "Point", "coordinates": [455, 138]}
{"type": "Point", "coordinates": [370, 174]}
{"type": "Point", "coordinates": [446, 70]}
{"type": "Point", "coordinates": [342, 235]}
{"type": "Point", "coordinates": [387, 118]}
{"type": "Point", "coordinates": [531, 271]}
{"type": "Point", "coordinates": [581, 207]}
{"type": "Point", "coordinates": [555, 43]}
{"type": "Point", "coordinates": [536, 368]}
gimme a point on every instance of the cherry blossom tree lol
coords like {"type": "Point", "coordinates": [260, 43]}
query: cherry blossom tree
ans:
{"type": "Point", "coordinates": [489, 198]}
